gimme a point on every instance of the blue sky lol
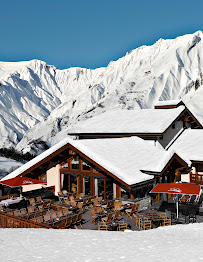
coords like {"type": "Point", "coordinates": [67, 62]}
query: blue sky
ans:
{"type": "Point", "coordinates": [90, 33]}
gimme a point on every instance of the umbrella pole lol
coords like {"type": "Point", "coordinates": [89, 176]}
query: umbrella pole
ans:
{"type": "Point", "coordinates": [177, 206]}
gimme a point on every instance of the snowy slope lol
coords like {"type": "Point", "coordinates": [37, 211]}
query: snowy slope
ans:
{"type": "Point", "coordinates": [32, 92]}
{"type": "Point", "coordinates": [8, 165]}
{"type": "Point", "coordinates": [178, 243]}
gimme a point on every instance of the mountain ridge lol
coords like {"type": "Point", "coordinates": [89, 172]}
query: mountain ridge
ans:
{"type": "Point", "coordinates": [39, 102]}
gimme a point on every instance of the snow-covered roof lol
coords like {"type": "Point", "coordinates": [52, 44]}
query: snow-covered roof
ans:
{"type": "Point", "coordinates": [129, 121]}
{"type": "Point", "coordinates": [123, 157]}
{"type": "Point", "coordinates": [190, 144]}
{"type": "Point", "coordinates": [168, 103]}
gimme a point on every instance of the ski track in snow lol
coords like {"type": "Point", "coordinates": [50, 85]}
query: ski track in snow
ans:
{"type": "Point", "coordinates": [174, 243]}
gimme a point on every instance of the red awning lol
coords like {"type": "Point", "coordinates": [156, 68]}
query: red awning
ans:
{"type": "Point", "coordinates": [177, 188]}
{"type": "Point", "coordinates": [20, 181]}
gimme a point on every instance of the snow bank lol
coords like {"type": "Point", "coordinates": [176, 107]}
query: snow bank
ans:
{"type": "Point", "coordinates": [179, 243]}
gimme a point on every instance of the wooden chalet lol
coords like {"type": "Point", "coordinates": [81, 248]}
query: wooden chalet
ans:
{"type": "Point", "coordinates": [190, 144]}
{"type": "Point", "coordinates": [162, 126]}
{"type": "Point", "coordinates": [111, 168]}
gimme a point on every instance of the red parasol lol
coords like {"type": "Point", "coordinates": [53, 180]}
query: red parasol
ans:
{"type": "Point", "coordinates": [177, 188]}
{"type": "Point", "coordinates": [20, 181]}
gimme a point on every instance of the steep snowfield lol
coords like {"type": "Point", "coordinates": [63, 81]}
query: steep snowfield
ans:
{"type": "Point", "coordinates": [171, 244]}
{"type": "Point", "coordinates": [34, 92]}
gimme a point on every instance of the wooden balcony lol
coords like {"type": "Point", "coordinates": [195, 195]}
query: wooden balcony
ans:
{"type": "Point", "coordinates": [196, 178]}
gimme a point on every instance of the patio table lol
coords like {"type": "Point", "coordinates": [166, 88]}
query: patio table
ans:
{"type": "Point", "coordinates": [8, 202]}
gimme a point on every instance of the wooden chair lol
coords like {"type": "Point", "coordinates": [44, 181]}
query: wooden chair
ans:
{"type": "Point", "coordinates": [65, 212]}
{"type": "Point", "coordinates": [53, 216]}
{"type": "Point", "coordinates": [60, 196]}
{"type": "Point", "coordinates": [117, 214]}
{"type": "Point", "coordinates": [108, 218]}
{"type": "Point", "coordinates": [47, 218]}
{"type": "Point", "coordinates": [122, 226]}
{"type": "Point", "coordinates": [23, 212]}
{"type": "Point", "coordinates": [85, 203]}
{"type": "Point", "coordinates": [95, 202]}
{"type": "Point", "coordinates": [10, 213]}
{"type": "Point", "coordinates": [71, 197]}
{"type": "Point", "coordinates": [118, 206]}
{"type": "Point", "coordinates": [32, 201]}
{"type": "Point", "coordinates": [59, 213]}
{"type": "Point", "coordinates": [39, 219]}
{"type": "Point", "coordinates": [79, 220]}
{"type": "Point", "coordinates": [163, 215]}
{"type": "Point", "coordinates": [38, 199]}
{"type": "Point", "coordinates": [80, 205]}
{"type": "Point", "coordinates": [145, 224]}
{"type": "Point", "coordinates": [166, 222]}
{"type": "Point", "coordinates": [112, 203]}
{"type": "Point", "coordinates": [73, 203]}
{"type": "Point", "coordinates": [130, 212]}
{"type": "Point", "coordinates": [89, 202]}
{"type": "Point", "coordinates": [67, 202]}
{"type": "Point", "coordinates": [99, 199]}
{"type": "Point", "coordinates": [17, 213]}
{"type": "Point", "coordinates": [93, 215]}
{"type": "Point", "coordinates": [68, 221]}
{"type": "Point", "coordinates": [99, 209]}
{"type": "Point", "coordinates": [74, 220]}
{"type": "Point", "coordinates": [31, 209]}
{"type": "Point", "coordinates": [102, 226]}
{"type": "Point", "coordinates": [107, 206]}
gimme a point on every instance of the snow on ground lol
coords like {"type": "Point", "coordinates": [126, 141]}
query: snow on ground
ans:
{"type": "Point", "coordinates": [173, 243]}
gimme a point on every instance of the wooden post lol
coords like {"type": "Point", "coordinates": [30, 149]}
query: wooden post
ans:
{"type": "Point", "coordinates": [118, 191]}
{"type": "Point", "coordinates": [104, 188]}
{"type": "Point", "coordinates": [69, 189]}
{"type": "Point", "coordinates": [80, 164]}
{"type": "Point", "coordinates": [92, 191]}
{"type": "Point", "coordinates": [131, 197]}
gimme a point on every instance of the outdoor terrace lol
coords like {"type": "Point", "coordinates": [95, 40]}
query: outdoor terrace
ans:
{"type": "Point", "coordinates": [91, 212]}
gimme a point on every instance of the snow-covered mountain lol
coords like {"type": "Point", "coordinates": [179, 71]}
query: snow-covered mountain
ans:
{"type": "Point", "coordinates": [39, 103]}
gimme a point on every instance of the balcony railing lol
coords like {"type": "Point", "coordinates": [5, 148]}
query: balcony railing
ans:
{"type": "Point", "coordinates": [196, 178]}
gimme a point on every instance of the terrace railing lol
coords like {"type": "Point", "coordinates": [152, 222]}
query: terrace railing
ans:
{"type": "Point", "coordinates": [9, 221]}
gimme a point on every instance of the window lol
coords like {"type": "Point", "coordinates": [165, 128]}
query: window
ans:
{"type": "Point", "coordinates": [85, 165]}
{"type": "Point", "coordinates": [86, 189]}
{"type": "Point", "coordinates": [174, 126]}
{"type": "Point", "coordinates": [75, 163]}
{"type": "Point", "coordinates": [64, 165]}
{"type": "Point", "coordinates": [100, 187]}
